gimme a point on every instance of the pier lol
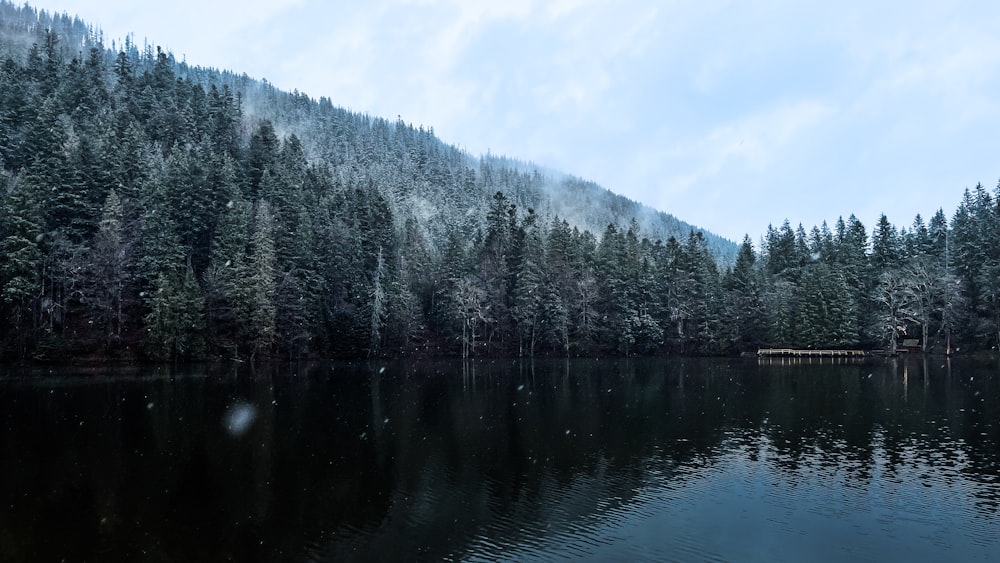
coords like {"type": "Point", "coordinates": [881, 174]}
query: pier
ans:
{"type": "Point", "coordinates": [791, 352]}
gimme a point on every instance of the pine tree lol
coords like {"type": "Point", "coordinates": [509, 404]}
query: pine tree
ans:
{"type": "Point", "coordinates": [988, 218]}
{"type": "Point", "coordinates": [225, 114]}
{"type": "Point", "coordinates": [21, 228]}
{"type": "Point", "coordinates": [526, 291]}
{"type": "Point", "coordinates": [709, 337]}
{"type": "Point", "coordinates": [615, 307]}
{"type": "Point", "coordinates": [262, 156]}
{"type": "Point", "coordinates": [919, 241]}
{"type": "Point", "coordinates": [14, 106]}
{"type": "Point", "coordinates": [745, 319]}
{"type": "Point", "coordinates": [843, 311]}
{"type": "Point", "coordinates": [495, 268]}
{"type": "Point", "coordinates": [176, 321]}
{"type": "Point", "coordinates": [785, 254]}
{"type": "Point", "coordinates": [300, 287]}
{"type": "Point", "coordinates": [826, 315]}
{"type": "Point", "coordinates": [110, 271]}
{"type": "Point", "coordinates": [160, 250]}
{"type": "Point", "coordinates": [851, 248]}
{"type": "Point", "coordinates": [781, 300]}
{"type": "Point", "coordinates": [228, 293]}
{"type": "Point", "coordinates": [413, 291]}
{"type": "Point", "coordinates": [969, 254]}
{"type": "Point", "coordinates": [262, 283]}
{"type": "Point", "coordinates": [886, 250]}
{"type": "Point", "coordinates": [554, 319]}
{"type": "Point", "coordinates": [812, 314]}
{"type": "Point", "coordinates": [647, 290]}
{"type": "Point", "coordinates": [937, 233]}
{"type": "Point", "coordinates": [379, 305]}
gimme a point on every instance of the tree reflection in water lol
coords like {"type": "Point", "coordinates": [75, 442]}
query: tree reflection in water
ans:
{"type": "Point", "coordinates": [673, 458]}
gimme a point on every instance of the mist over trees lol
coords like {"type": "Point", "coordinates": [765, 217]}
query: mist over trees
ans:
{"type": "Point", "coordinates": [152, 209]}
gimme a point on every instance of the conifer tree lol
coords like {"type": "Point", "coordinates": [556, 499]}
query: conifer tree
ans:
{"type": "Point", "coordinates": [379, 305]}
{"type": "Point", "coordinates": [886, 250]}
{"type": "Point", "coordinates": [495, 268]}
{"type": "Point", "coordinates": [160, 249]}
{"type": "Point", "coordinates": [21, 233]}
{"type": "Point", "coordinates": [745, 316]}
{"type": "Point", "coordinates": [527, 292]}
{"type": "Point", "coordinates": [227, 280]}
{"type": "Point", "coordinates": [262, 282]}
{"type": "Point", "coordinates": [110, 271]}
{"type": "Point", "coordinates": [176, 321]}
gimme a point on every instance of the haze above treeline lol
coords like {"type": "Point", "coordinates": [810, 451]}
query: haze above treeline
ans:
{"type": "Point", "coordinates": [157, 210]}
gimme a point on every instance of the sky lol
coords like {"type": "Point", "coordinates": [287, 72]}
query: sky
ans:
{"type": "Point", "coordinates": [729, 115]}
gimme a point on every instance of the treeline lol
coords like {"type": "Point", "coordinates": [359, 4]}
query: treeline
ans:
{"type": "Point", "coordinates": [153, 210]}
{"type": "Point", "coordinates": [935, 283]}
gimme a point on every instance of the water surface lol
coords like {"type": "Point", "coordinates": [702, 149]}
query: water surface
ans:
{"type": "Point", "coordinates": [674, 459]}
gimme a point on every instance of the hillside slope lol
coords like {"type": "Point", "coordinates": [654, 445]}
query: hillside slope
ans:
{"type": "Point", "coordinates": [154, 208]}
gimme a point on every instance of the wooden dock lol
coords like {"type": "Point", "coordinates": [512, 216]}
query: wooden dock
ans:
{"type": "Point", "coordinates": [791, 352]}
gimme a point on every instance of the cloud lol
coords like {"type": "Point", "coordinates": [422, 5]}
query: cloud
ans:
{"type": "Point", "coordinates": [752, 142]}
{"type": "Point", "coordinates": [951, 75]}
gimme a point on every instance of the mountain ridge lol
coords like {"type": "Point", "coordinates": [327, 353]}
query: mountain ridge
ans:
{"type": "Point", "coordinates": [656, 224]}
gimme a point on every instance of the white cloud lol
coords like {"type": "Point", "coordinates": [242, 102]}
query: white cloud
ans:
{"type": "Point", "coordinates": [752, 142]}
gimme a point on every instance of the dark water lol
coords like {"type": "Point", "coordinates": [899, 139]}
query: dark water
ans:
{"type": "Point", "coordinates": [595, 460]}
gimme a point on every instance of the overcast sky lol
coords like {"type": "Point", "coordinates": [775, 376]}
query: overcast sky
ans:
{"type": "Point", "coordinates": [730, 115]}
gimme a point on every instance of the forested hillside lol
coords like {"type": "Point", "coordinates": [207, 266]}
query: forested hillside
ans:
{"type": "Point", "coordinates": [152, 209]}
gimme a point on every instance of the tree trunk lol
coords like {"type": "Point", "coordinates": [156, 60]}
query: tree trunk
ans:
{"type": "Point", "coordinates": [465, 339]}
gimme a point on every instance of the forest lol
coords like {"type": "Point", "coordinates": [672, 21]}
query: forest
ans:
{"type": "Point", "coordinates": [153, 210]}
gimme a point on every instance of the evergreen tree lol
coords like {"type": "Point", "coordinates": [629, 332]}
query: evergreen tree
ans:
{"type": "Point", "coordinates": [970, 255]}
{"type": "Point", "coordinates": [645, 321]}
{"type": "Point", "coordinates": [262, 156]}
{"type": "Point", "coordinates": [138, 191]}
{"type": "Point", "coordinates": [379, 305]}
{"type": "Point", "coordinates": [851, 249]}
{"type": "Point", "coordinates": [110, 271]}
{"type": "Point", "coordinates": [559, 279]}
{"type": "Point", "coordinates": [228, 298]}
{"type": "Point", "coordinates": [176, 321]}
{"type": "Point", "coordinates": [786, 253]}
{"type": "Point", "coordinates": [919, 242]}
{"type": "Point", "coordinates": [527, 289]}
{"type": "Point", "coordinates": [781, 300]}
{"type": "Point", "coordinates": [826, 312]}
{"type": "Point", "coordinates": [262, 283]}
{"type": "Point", "coordinates": [615, 305]}
{"type": "Point", "coordinates": [160, 252]}
{"type": "Point", "coordinates": [495, 269]}
{"type": "Point", "coordinates": [413, 291]}
{"type": "Point", "coordinates": [937, 232]}
{"type": "Point", "coordinates": [745, 318]}
{"type": "Point", "coordinates": [21, 228]}
{"type": "Point", "coordinates": [886, 251]}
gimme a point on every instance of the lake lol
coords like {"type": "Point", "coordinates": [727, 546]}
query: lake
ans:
{"type": "Point", "coordinates": [621, 460]}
